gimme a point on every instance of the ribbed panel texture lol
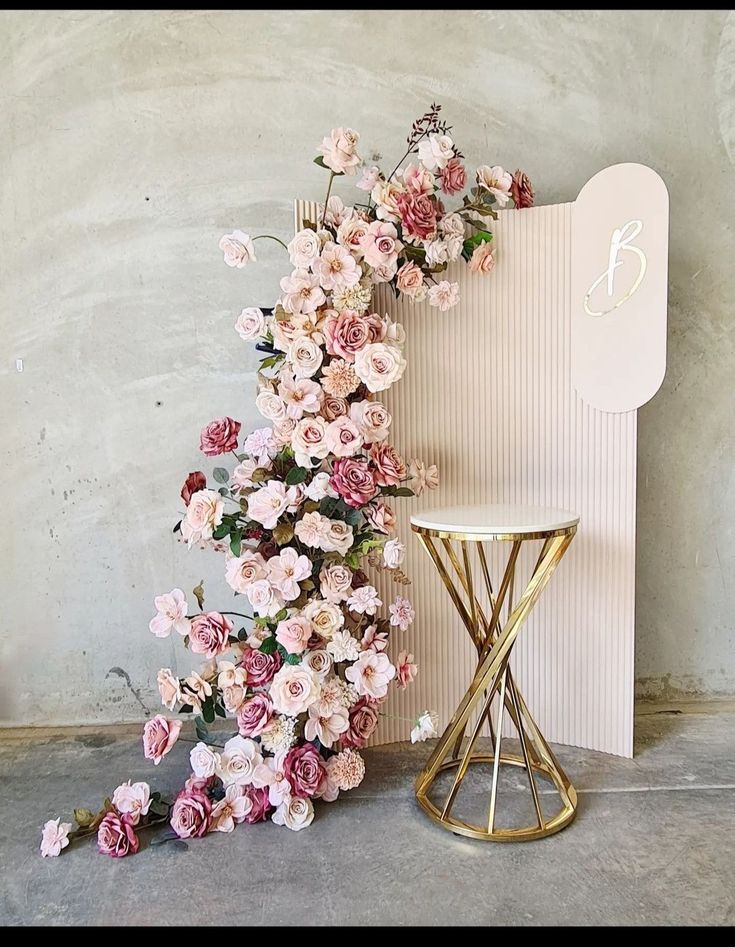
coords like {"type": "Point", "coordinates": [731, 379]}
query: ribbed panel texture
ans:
{"type": "Point", "coordinates": [487, 396]}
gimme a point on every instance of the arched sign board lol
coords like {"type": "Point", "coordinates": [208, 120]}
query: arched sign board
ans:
{"type": "Point", "coordinates": [620, 235]}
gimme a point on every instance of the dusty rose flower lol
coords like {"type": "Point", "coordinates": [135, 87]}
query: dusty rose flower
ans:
{"type": "Point", "coordinates": [254, 715]}
{"type": "Point", "coordinates": [371, 673]}
{"type": "Point", "coordinates": [444, 295]}
{"type": "Point", "coordinates": [336, 267]}
{"type": "Point", "coordinates": [410, 281]}
{"type": "Point", "coordinates": [116, 836]}
{"type": "Point", "coordinates": [159, 736]}
{"type": "Point", "coordinates": [381, 517]}
{"type": "Point", "coordinates": [209, 634]}
{"type": "Point", "coordinates": [364, 601]}
{"type": "Point", "coordinates": [405, 669]}
{"type": "Point", "coordinates": [194, 482]}
{"type": "Point", "coordinates": [238, 248]}
{"type": "Point", "coordinates": [390, 468]}
{"type": "Point", "coordinates": [339, 380]}
{"type": "Point", "coordinates": [453, 176]}
{"type": "Point", "coordinates": [259, 667]}
{"type": "Point", "coordinates": [304, 249]}
{"type": "Point", "coordinates": [191, 814]}
{"type": "Point", "coordinates": [339, 151]}
{"type": "Point", "coordinates": [300, 395]}
{"type": "Point", "coordinates": [497, 181]}
{"type": "Point", "coordinates": [295, 813]}
{"type": "Point", "coordinates": [260, 806]}
{"type": "Point", "coordinates": [353, 481]}
{"type": "Point", "coordinates": [54, 838]}
{"type": "Point", "coordinates": [422, 477]}
{"type": "Point", "coordinates": [418, 180]}
{"type": "Point", "coordinates": [242, 571]}
{"type": "Point", "coordinates": [346, 333]}
{"type": "Point", "coordinates": [304, 769]}
{"type": "Point", "coordinates": [219, 437]}
{"type": "Point", "coordinates": [343, 438]}
{"type": "Point", "coordinates": [363, 722]}
{"type": "Point", "coordinates": [347, 769]}
{"type": "Point", "coordinates": [172, 609]}
{"type": "Point", "coordinates": [418, 215]}
{"type": "Point", "coordinates": [133, 800]}
{"type": "Point", "coordinates": [335, 580]}
{"type": "Point", "coordinates": [294, 633]}
{"type": "Point", "coordinates": [293, 689]}
{"type": "Point", "coordinates": [250, 323]}
{"type": "Point", "coordinates": [334, 407]}
{"type": "Point", "coordinates": [426, 724]}
{"type": "Point", "coordinates": [483, 258]}
{"type": "Point", "coordinates": [521, 190]}
{"type": "Point", "coordinates": [435, 151]}
{"type": "Point", "coordinates": [380, 245]}
{"type": "Point", "coordinates": [379, 365]}
{"type": "Point", "coordinates": [401, 613]}
{"type": "Point", "coordinates": [204, 761]}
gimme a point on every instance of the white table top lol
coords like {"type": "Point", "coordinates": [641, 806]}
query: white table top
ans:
{"type": "Point", "coordinates": [478, 519]}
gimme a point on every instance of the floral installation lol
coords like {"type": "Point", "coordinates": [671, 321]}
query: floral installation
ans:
{"type": "Point", "coordinates": [304, 666]}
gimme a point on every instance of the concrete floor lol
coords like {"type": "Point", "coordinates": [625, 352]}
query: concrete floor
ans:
{"type": "Point", "coordinates": [653, 843]}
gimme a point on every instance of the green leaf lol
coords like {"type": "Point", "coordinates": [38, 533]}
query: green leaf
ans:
{"type": "Point", "coordinates": [158, 808]}
{"type": "Point", "coordinates": [352, 517]}
{"type": "Point", "coordinates": [220, 475]}
{"type": "Point", "coordinates": [208, 710]}
{"type": "Point", "coordinates": [281, 615]}
{"type": "Point", "coordinates": [271, 360]}
{"type": "Point", "coordinates": [269, 645]}
{"type": "Point", "coordinates": [236, 542]}
{"type": "Point", "coordinates": [296, 475]}
{"type": "Point", "coordinates": [220, 710]}
{"type": "Point", "coordinates": [320, 161]}
{"type": "Point", "coordinates": [84, 818]}
{"type": "Point", "coordinates": [221, 531]}
{"type": "Point", "coordinates": [198, 593]}
{"type": "Point", "coordinates": [201, 729]}
{"type": "Point", "coordinates": [397, 492]}
{"type": "Point", "coordinates": [293, 659]}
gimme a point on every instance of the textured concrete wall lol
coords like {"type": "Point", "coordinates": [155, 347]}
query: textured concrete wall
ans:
{"type": "Point", "coordinates": [131, 141]}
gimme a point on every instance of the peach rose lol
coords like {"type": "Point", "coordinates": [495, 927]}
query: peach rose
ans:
{"type": "Point", "coordinates": [390, 468]}
{"type": "Point", "coordinates": [483, 258]}
{"type": "Point", "coordinates": [410, 281]}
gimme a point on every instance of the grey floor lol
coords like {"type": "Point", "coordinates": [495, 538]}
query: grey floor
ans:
{"type": "Point", "coordinates": [653, 843]}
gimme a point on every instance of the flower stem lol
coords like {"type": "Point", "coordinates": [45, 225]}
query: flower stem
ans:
{"type": "Point", "coordinates": [267, 236]}
{"type": "Point", "coordinates": [326, 199]}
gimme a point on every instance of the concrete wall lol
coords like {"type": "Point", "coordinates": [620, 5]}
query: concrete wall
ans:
{"type": "Point", "coordinates": [131, 141]}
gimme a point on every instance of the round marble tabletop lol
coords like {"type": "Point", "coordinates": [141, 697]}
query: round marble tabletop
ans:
{"type": "Point", "coordinates": [494, 519]}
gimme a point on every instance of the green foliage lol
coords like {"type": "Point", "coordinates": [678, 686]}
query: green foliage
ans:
{"type": "Point", "coordinates": [269, 645]}
{"type": "Point", "coordinates": [84, 818]}
{"type": "Point", "coordinates": [397, 492]}
{"type": "Point", "coordinates": [220, 475]}
{"type": "Point", "coordinates": [201, 729]}
{"type": "Point", "coordinates": [208, 710]}
{"type": "Point", "coordinates": [271, 360]}
{"type": "Point", "coordinates": [293, 659]}
{"type": "Point", "coordinates": [222, 530]}
{"type": "Point", "coordinates": [320, 161]}
{"type": "Point", "coordinates": [198, 593]}
{"type": "Point", "coordinates": [236, 541]}
{"type": "Point", "coordinates": [296, 475]}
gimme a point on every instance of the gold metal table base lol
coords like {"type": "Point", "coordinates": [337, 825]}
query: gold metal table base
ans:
{"type": "Point", "coordinates": [493, 683]}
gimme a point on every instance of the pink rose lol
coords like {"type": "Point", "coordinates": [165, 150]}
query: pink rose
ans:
{"type": "Point", "coordinates": [260, 668]}
{"type": "Point", "coordinates": [254, 715]}
{"type": "Point", "coordinates": [418, 215]}
{"type": "Point", "coordinates": [260, 804]}
{"type": "Point", "coordinates": [363, 721]}
{"type": "Point", "coordinates": [389, 466]}
{"type": "Point", "coordinates": [334, 408]}
{"type": "Point", "coordinates": [410, 281]}
{"type": "Point", "coordinates": [353, 481]}
{"type": "Point", "coordinates": [159, 736]}
{"type": "Point", "coordinates": [483, 258]}
{"type": "Point", "coordinates": [453, 176]}
{"type": "Point", "coordinates": [343, 437]}
{"type": "Point", "coordinates": [219, 437]}
{"type": "Point", "coordinates": [194, 482]}
{"type": "Point", "coordinates": [209, 634]}
{"type": "Point", "coordinates": [381, 517]}
{"type": "Point", "coordinates": [380, 245]}
{"type": "Point", "coordinates": [294, 633]}
{"type": "Point", "coordinates": [116, 836]}
{"type": "Point", "coordinates": [345, 334]}
{"type": "Point", "coordinates": [304, 768]}
{"type": "Point", "coordinates": [405, 669]}
{"type": "Point", "coordinates": [418, 180]}
{"type": "Point", "coordinates": [191, 813]}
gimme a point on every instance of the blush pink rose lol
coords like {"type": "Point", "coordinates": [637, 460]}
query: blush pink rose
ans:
{"type": "Point", "coordinates": [363, 721]}
{"type": "Point", "coordinates": [483, 258]}
{"type": "Point", "coordinates": [418, 215]}
{"type": "Point", "coordinates": [347, 332]}
{"type": "Point", "coordinates": [219, 437]}
{"type": "Point", "coordinates": [191, 814]}
{"type": "Point", "coordinates": [389, 466]}
{"type": "Point", "coordinates": [260, 668]}
{"type": "Point", "coordinates": [304, 768]}
{"type": "Point", "coordinates": [261, 806]}
{"type": "Point", "coordinates": [209, 634]}
{"type": "Point", "coordinates": [195, 482]}
{"type": "Point", "coordinates": [418, 180]}
{"type": "Point", "coordinates": [381, 517]}
{"type": "Point", "coordinates": [380, 245]}
{"type": "Point", "coordinates": [294, 633]}
{"type": "Point", "coordinates": [254, 715]}
{"type": "Point", "coordinates": [116, 836]}
{"type": "Point", "coordinates": [159, 736]}
{"type": "Point", "coordinates": [453, 176]}
{"type": "Point", "coordinates": [410, 281]}
{"type": "Point", "coordinates": [353, 481]}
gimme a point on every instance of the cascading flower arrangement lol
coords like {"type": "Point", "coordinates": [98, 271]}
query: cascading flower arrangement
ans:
{"type": "Point", "coordinates": [307, 504]}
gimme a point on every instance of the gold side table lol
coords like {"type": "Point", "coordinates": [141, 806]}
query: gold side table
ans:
{"type": "Point", "coordinates": [455, 539]}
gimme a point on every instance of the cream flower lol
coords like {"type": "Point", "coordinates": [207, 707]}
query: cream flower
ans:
{"type": "Point", "coordinates": [435, 151]}
{"type": "Point", "coordinates": [283, 432]}
{"type": "Point", "coordinates": [452, 226]}
{"type": "Point", "coordinates": [384, 194]}
{"type": "Point", "coordinates": [238, 248]}
{"type": "Point", "coordinates": [320, 488]}
{"type": "Point", "coordinates": [309, 441]}
{"type": "Point", "coordinates": [339, 378]}
{"type": "Point", "coordinates": [444, 295]}
{"type": "Point", "coordinates": [371, 673]}
{"type": "Point", "coordinates": [372, 419]}
{"type": "Point", "coordinates": [204, 761]}
{"type": "Point", "coordinates": [379, 365]}
{"type": "Point", "coordinates": [250, 323]}
{"type": "Point", "coordinates": [347, 769]}
{"type": "Point", "coordinates": [380, 244]}
{"type": "Point", "coordinates": [233, 809]}
{"type": "Point", "coordinates": [242, 571]}
{"type": "Point", "coordinates": [326, 728]}
{"type": "Point", "coordinates": [335, 580]}
{"type": "Point", "coordinates": [305, 357]}
{"type": "Point", "coordinates": [195, 690]}
{"type": "Point", "coordinates": [229, 674]}
{"type": "Point", "coordinates": [311, 529]}
{"type": "Point", "coordinates": [295, 814]}
{"type": "Point", "coordinates": [304, 249]}
{"type": "Point", "coordinates": [203, 515]}
{"type": "Point", "coordinates": [300, 395]}
{"type": "Point", "coordinates": [339, 151]}
{"type": "Point", "coordinates": [279, 735]}
{"type": "Point", "coordinates": [349, 234]}
{"type": "Point", "coordinates": [233, 697]}
{"type": "Point", "coordinates": [286, 570]}
{"type": "Point", "coordinates": [263, 598]}
{"type": "Point", "coordinates": [132, 799]}
{"type": "Point", "coordinates": [271, 406]}
{"type": "Point", "coordinates": [422, 477]}
{"type": "Point", "coordinates": [325, 617]}
{"type": "Point", "coordinates": [169, 688]}
{"type": "Point", "coordinates": [319, 661]}
{"type": "Point", "coordinates": [497, 181]}
{"type": "Point", "coordinates": [336, 267]}
{"type": "Point", "coordinates": [364, 601]}
{"type": "Point", "coordinates": [357, 297]}
{"type": "Point", "coordinates": [294, 689]}
{"type": "Point", "coordinates": [334, 695]}
{"type": "Point", "coordinates": [343, 647]}
{"type": "Point", "coordinates": [301, 292]}
{"type": "Point", "coordinates": [394, 552]}
{"type": "Point", "coordinates": [343, 438]}
{"type": "Point", "coordinates": [338, 537]}
{"type": "Point", "coordinates": [268, 504]}
{"type": "Point", "coordinates": [272, 774]}
{"type": "Point", "coordinates": [172, 609]}
{"type": "Point", "coordinates": [426, 724]}
{"type": "Point", "coordinates": [239, 761]}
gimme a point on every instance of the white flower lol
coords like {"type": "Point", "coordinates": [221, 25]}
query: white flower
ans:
{"type": "Point", "coordinates": [497, 181]}
{"type": "Point", "coordinates": [444, 295]}
{"type": "Point", "coordinates": [271, 406]}
{"type": "Point", "coordinates": [349, 235]}
{"type": "Point", "coordinates": [437, 252]}
{"type": "Point", "coordinates": [301, 292]}
{"type": "Point", "coordinates": [305, 356]}
{"type": "Point", "coordinates": [204, 761]}
{"type": "Point", "coordinates": [262, 596]}
{"type": "Point", "coordinates": [279, 736]}
{"type": "Point", "coordinates": [300, 395]}
{"type": "Point", "coordinates": [435, 151]}
{"type": "Point", "coordinates": [452, 226]}
{"type": "Point", "coordinates": [169, 688]}
{"type": "Point", "coordinates": [379, 365]}
{"type": "Point", "coordinates": [327, 728]}
{"type": "Point", "coordinates": [286, 570]}
{"type": "Point", "coordinates": [54, 837]}
{"type": "Point", "coordinates": [250, 323]}
{"type": "Point", "coordinates": [172, 609]}
{"type": "Point", "coordinates": [309, 441]}
{"type": "Point", "coordinates": [272, 775]}
{"type": "Point", "coordinates": [338, 537]}
{"type": "Point", "coordinates": [426, 725]}
{"type": "Point", "coordinates": [261, 446]}
{"type": "Point", "coordinates": [242, 571]}
{"type": "Point", "coordinates": [371, 673]}
{"type": "Point", "coordinates": [293, 689]}
{"type": "Point", "coordinates": [339, 151]}
{"type": "Point", "coordinates": [336, 267]}
{"type": "Point", "coordinates": [238, 248]}
{"type": "Point", "coordinates": [401, 613]}
{"type": "Point", "coordinates": [369, 179]}
{"type": "Point", "coordinates": [203, 514]}
{"type": "Point", "coordinates": [231, 810]}
{"type": "Point", "coordinates": [239, 761]}
{"type": "Point", "coordinates": [336, 214]}
{"type": "Point", "coordinates": [336, 581]}
{"type": "Point", "coordinates": [394, 552]}
{"type": "Point", "coordinates": [343, 647]}
{"type": "Point", "coordinates": [304, 249]}
{"type": "Point", "coordinates": [230, 675]}
{"type": "Point", "coordinates": [364, 600]}
{"type": "Point", "coordinates": [311, 529]}
{"type": "Point", "coordinates": [133, 799]}
{"type": "Point", "coordinates": [266, 505]}
{"type": "Point", "coordinates": [326, 617]}
{"type": "Point", "coordinates": [320, 488]}
{"type": "Point", "coordinates": [295, 814]}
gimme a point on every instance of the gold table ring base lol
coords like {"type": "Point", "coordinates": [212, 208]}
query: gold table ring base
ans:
{"type": "Point", "coordinates": [493, 683]}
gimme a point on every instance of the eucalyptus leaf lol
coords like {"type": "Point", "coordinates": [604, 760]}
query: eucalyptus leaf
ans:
{"type": "Point", "coordinates": [220, 475]}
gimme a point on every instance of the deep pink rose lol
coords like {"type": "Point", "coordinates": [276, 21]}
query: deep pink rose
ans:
{"type": "Point", "coordinates": [199, 783]}
{"type": "Point", "coordinates": [194, 482]}
{"type": "Point", "coordinates": [159, 735]}
{"type": "Point", "coordinates": [418, 214]}
{"type": "Point", "coordinates": [453, 176]}
{"type": "Point", "coordinates": [521, 190]}
{"type": "Point", "coordinates": [116, 836]}
{"type": "Point", "coordinates": [261, 806]}
{"type": "Point", "coordinates": [219, 437]}
{"type": "Point", "coordinates": [260, 667]}
{"type": "Point", "coordinates": [304, 768]}
{"type": "Point", "coordinates": [353, 481]}
{"type": "Point", "coordinates": [209, 634]}
{"type": "Point", "coordinates": [363, 721]}
{"type": "Point", "coordinates": [191, 814]}
{"type": "Point", "coordinates": [389, 466]}
{"type": "Point", "coordinates": [254, 715]}
{"type": "Point", "coordinates": [346, 333]}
